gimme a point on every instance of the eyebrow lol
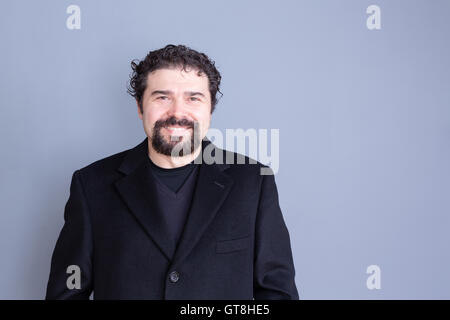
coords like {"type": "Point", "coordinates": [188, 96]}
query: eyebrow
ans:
{"type": "Point", "coordinates": [188, 93]}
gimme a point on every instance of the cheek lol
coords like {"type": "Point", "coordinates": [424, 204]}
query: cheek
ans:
{"type": "Point", "coordinates": [150, 118]}
{"type": "Point", "coordinates": [204, 123]}
{"type": "Point", "coordinates": [149, 123]}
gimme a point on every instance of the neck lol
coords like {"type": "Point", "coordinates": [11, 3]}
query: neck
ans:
{"type": "Point", "coordinates": [169, 162]}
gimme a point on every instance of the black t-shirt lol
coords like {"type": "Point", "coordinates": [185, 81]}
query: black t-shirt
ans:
{"type": "Point", "coordinates": [174, 192]}
{"type": "Point", "coordinates": [173, 178]}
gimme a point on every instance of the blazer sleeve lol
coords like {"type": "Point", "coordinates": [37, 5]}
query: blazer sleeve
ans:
{"type": "Point", "coordinates": [273, 263]}
{"type": "Point", "coordinates": [74, 247]}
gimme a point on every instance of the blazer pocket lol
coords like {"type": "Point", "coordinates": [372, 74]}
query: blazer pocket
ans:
{"type": "Point", "coordinates": [231, 245]}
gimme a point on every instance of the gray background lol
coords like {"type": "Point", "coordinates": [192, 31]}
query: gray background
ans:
{"type": "Point", "coordinates": [364, 119]}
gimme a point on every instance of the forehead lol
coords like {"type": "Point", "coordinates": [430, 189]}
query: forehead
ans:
{"type": "Point", "coordinates": [176, 77]}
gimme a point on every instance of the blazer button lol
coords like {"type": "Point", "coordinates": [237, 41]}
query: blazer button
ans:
{"type": "Point", "coordinates": [174, 276]}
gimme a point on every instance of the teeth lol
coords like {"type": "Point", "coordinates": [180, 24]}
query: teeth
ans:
{"type": "Point", "coordinates": [177, 129]}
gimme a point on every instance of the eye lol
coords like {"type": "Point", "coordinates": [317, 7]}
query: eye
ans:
{"type": "Point", "coordinates": [195, 99]}
{"type": "Point", "coordinates": [162, 97]}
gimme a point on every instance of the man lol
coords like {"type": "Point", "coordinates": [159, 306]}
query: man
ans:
{"type": "Point", "coordinates": [163, 221]}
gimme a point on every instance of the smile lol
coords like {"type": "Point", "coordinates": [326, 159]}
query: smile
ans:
{"type": "Point", "coordinates": [176, 129]}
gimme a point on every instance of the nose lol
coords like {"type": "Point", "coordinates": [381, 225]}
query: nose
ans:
{"type": "Point", "coordinates": [177, 104]}
{"type": "Point", "coordinates": [177, 109]}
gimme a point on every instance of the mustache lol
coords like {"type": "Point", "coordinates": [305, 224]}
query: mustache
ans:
{"type": "Point", "coordinates": [171, 121]}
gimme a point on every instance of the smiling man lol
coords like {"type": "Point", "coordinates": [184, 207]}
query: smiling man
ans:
{"type": "Point", "coordinates": [163, 221]}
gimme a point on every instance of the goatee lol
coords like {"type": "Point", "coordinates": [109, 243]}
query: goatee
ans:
{"type": "Point", "coordinates": [178, 146]}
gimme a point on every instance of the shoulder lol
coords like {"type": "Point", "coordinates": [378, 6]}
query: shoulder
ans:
{"type": "Point", "coordinates": [241, 165]}
{"type": "Point", "coordinates": [104, 167]}
{"type": "Point", "coordinates": [111, 163]}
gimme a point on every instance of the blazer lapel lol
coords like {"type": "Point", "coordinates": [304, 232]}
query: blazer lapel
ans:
{"type": "Point", "coordinates": [213, 186]}
{"type": "Point", "coordinates": [138, 189]}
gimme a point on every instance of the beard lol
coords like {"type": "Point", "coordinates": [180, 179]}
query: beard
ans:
{"type": "Point", "coordinates": [176, 145]}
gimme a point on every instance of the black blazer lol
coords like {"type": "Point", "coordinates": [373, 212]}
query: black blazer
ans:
{"type": "Point", "coordinates": [235, 244]}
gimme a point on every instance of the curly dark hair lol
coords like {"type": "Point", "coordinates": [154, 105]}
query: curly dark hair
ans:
{"type": "Point", "coordinates": [169, 57]}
